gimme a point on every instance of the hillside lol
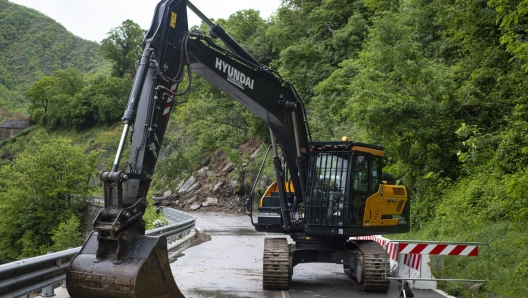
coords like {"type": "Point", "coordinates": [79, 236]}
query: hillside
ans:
{"type": "Point", "coordinates": [33, 45]}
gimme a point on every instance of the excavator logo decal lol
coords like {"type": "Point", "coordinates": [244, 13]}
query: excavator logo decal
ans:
{"type": "Point", "coordinates": [234, 76]}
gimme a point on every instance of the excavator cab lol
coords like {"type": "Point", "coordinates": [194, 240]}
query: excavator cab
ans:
{"type": "Point", "coordinates": [344, 187]}
{"type": "Point", "coordinates": [346, 195]}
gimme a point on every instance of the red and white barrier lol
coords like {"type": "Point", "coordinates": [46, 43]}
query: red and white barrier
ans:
{"type": "Point", "coordinates": [393, 251]}
{"type": "Point", "coordinates": [407, 264]}
{"type": "Point", "coordinates": [438, 249]}
{"type": "Point", "coordinates": [409, 260]}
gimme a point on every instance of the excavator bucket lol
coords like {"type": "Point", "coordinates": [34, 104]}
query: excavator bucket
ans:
{"type": "Point", "coordinates": [143, 272]}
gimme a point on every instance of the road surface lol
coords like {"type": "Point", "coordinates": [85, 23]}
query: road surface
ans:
{"type": "Point", "coordinates": [230, 265]}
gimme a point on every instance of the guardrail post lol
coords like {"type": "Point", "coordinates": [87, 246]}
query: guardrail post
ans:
{"type": "Point", "coordinates": [47, 291]}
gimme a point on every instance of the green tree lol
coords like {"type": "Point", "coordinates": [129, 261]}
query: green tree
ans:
{"type": "Point", "coordinates": [32, 47]}
{"type": "Point", "coordinates": [62, 107]}
{"type": "Point", "coordinates": [69, 81]}
{"type": "Point", "coordinates": [108, 96]}
{"type": "Point", "coordinates": [325, 33]}
{"type": "Point", "coordinates": [248, 28]}
{"type": "Point", "coordinates": [68, 234]}
{"type": "Point", "coordinates": [69, 98]}
{"type": "Point", "coordinates": [123, 47]}
{"type": "Point", "coordinates": [43, 186]}
{"type": "Point", "coordinates": [40, 95]}
{"type": "Point", "coordinates": [512, 15]}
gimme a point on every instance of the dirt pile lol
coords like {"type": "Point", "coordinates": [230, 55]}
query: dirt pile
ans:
{"type": "Point", "coordinates": [215, 185]}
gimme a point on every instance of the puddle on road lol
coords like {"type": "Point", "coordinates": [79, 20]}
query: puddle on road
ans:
{"type": "Point", "coordinates": [222, 294]}
{"type": "Point", "coordinates": [197, 239]}
{"type": "Point", "coordinates": [237, 232]}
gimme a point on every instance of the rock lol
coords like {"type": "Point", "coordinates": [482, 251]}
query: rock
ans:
{"type": "Point", "coordinates": [195, 206]}
{"type": "Point", "coordinates": [203, 172]}
{"type": "Point", "coordinates": [255, 153]}
{"type": "Point", "coordinates": [168, 193]}
{"type": "Point", "coordinates": [191, 200]}
{"type": "Point", "coordinates": [230, 166]}
{"type": "Point", "coordinates": [173, 197]}
{"type": "Point", "coordinates": [187, 184]}
{"type": "Point", "coordinates": [162, 203]}
{"type": "Point", "coordinates": [206, 161]}
{"type": "Point", "coordinates": [193, 187]}
{"type": "Point", "coordinates": [180, 184]}
{"type": "Point", "coordinates": [235, 184]}
{"type": "Point", "coordinates": [217, 186]}
{"type": "Point", "coordinates": [210, 202]}
{"type": "Point", "coordinates": [156, 199]}
{"type": "Point", "coordinates": [475, 287]}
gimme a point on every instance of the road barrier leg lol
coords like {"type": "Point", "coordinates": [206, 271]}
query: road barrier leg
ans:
{"type": "Point", "coordinates": [405, 290]}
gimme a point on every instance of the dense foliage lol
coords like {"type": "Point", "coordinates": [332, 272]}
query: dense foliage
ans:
{"type": "Point", "coordinates": [68, 98]}
{"type": "Point", "coordinates": [41, 193]}
{"type": "Point", "coordinates": [123, 46]}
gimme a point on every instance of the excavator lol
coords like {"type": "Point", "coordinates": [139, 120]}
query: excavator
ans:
{"type": "Point", "coordinates": [325, 192]}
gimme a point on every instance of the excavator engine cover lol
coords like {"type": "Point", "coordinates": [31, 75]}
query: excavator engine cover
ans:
{"type": "Point", "coordinates": [143, 272]}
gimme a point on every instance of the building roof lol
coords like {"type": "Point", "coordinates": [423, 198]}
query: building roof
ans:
{"type": "Point", "coordinates": [14, 124]}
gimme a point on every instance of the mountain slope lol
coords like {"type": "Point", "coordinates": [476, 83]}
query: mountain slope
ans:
{"type": "Point", "coordinates": [33, 45]}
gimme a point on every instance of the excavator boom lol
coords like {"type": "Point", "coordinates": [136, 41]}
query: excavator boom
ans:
{"type": "Point", "coordinates": [117, 259]}
{"type": "Point", "coordinates": [325, 192]}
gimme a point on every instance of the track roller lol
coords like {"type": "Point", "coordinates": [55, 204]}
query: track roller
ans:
{"type": "Point", "coordinates": [277, 268]}
{"type": "Point", "coordinates": [369, 273]}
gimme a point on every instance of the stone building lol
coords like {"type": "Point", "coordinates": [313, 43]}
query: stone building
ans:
{"type": "Point", "coordinates": [10, 128]}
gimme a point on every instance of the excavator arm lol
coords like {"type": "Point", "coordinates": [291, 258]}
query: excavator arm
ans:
{"type": "Point", "coordinates": [117, 259]}
{"type": "Point", "coordinates": [335, 189]}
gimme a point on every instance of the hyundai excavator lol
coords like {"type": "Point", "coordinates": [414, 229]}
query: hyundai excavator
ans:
{"type": "Point", "coordinates": [325, 193]}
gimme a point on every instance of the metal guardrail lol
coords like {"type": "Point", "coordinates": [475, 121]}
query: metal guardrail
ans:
{"type": "Point", "coordinates": [18, 279]}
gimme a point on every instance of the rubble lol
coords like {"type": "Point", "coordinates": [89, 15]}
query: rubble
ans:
{"type": "Point", "coordinates": [210, 202]}
{"type": "Point", "coordinates": [213, 187]}
{"type": "Point", "coordinates": [195, 206]}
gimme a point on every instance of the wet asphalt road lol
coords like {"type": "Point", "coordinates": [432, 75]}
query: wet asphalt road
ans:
{"type": "Point", "coordinates": [230, 265]}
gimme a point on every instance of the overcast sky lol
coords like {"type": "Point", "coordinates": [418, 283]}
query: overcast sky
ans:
{"type": "Point", "coordinates": [93, 19]}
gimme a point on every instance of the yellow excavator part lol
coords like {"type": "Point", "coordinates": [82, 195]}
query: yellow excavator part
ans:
{"type": "Point", "coordinates": [384, 208]}
{"type": "Point", "coordinates": [288, 186]}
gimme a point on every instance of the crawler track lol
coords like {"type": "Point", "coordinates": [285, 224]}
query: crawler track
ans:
{"type": "Point", "coordinates": [370, 273]}
{"type": "Point", "coordinates": [276, 273]}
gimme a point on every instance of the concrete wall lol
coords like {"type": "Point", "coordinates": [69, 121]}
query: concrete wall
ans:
{"type": "Point", "coordinates": [6, 132]}
{"type": "Point", "coordinates": [90, 212]}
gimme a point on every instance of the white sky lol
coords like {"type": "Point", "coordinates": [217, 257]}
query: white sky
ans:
{"type": "Point", "coordinates": [93, 19]}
